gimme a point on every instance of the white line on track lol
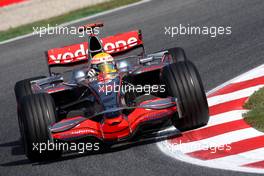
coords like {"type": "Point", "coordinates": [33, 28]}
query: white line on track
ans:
{"type": "Point", "coordinates": [251, 74]}
{"type": "Point", "coordinates": [80, 20]}
{"type": "Point", "coordinates": [231, 165]}
{"type": "Point", "coordinates": [232, 162]}
{"type": "Point", "coordinates": [243, 158]}
{"type": "Point", "coordinates": [233, 96]}
{"type": "Point", "coordinates": [225, 117]}
{"type": "Point", "coordinates": [223, 139]}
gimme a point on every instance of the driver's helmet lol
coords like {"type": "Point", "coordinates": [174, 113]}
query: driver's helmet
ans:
{"type": "Point", "coordinates": [103, 62]}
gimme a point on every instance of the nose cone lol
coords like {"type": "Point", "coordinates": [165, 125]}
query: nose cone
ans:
{"type": "Point", "coordinates": [114, 121]}
{"type": "Point", "coordinates": [115, 128]}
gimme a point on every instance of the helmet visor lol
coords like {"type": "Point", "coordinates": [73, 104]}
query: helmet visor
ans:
{"type": "Point", "coordinates": [106, 67]}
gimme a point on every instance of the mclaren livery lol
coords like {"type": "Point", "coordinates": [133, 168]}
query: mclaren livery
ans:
{"type": "Point", "coordinates": [108, 97]}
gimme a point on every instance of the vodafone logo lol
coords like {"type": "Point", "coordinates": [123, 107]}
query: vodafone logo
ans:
{"type": "Point", "coordinates": [120, 45]}
{"type": "Point", "coordinates": [79, 52]}
{"type": "Point", "coordinates": [67, 57]}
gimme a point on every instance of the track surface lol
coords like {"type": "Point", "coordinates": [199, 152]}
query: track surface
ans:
{"type": "Point", "coordinates": [218, 60]}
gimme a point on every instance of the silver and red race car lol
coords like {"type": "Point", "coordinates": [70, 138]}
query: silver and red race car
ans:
{"type": "Point", "coordinates": [147, 94]}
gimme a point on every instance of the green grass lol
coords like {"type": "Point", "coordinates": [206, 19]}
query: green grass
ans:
{"type": "Point", "coordinates": [70, 16]}
{"type": "Point", "coordinates": [255, 117]}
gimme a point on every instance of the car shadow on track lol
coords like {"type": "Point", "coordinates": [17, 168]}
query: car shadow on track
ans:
{"type": "Point", "coordinates": [110, 150]}
{"type": "Point", "coordinates": [17, 149]}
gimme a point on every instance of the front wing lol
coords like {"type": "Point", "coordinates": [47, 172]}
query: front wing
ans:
{"type": "Point", "coordinates": [123, 127]}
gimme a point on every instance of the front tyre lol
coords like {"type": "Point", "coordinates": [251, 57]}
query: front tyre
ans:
{"type": "Point", "coordinates": [37, 113]}
{"type": "Point", "coordinates": [183, 81]}
{"type": "Point", "coordinates": [23, 88]}
{"type": "Point", "coordinates": [177, 54]}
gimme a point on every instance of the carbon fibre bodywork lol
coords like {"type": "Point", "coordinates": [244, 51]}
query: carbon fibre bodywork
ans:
{"type": "Point", "coordinates": [109, 115]}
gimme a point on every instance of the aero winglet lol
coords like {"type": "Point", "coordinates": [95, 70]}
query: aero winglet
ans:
{"type": "Point", "coordinates": [91, 26]}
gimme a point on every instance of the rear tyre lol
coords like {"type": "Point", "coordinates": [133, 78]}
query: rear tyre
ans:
{"type": "Point", "coordinates": [177, 54]}
{"type": "Point", "coordinates": [37, 113]}
{"type": "Point", "coordinates": [183, 81]}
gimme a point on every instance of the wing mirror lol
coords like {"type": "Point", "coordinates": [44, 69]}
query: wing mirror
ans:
{"type": "Point", "coordinates": [145, 60]}
{"type": "Point", "coordinates": [78, 75]}
{"type": "Point", "coordinates": [122, 66]}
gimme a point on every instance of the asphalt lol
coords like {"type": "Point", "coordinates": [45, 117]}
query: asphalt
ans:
{"type": "Point", "coordinates": [218, 60]}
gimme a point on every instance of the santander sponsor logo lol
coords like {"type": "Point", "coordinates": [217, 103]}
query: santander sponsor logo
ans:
{"type": "Point", "coordinates": [79, 52]}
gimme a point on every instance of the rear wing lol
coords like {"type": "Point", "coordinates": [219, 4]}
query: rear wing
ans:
{"type": "Point", "coordinates": [79, 52]}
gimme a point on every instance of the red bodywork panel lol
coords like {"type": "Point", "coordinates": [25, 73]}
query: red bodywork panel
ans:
{"type": "Point", "coordinates": [115, 128]}
{"type": "Point", "coordinates": [78, 52]}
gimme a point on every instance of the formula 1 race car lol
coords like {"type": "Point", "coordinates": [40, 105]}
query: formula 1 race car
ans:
{"type": "Point", "coordinates": [147, 94]}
